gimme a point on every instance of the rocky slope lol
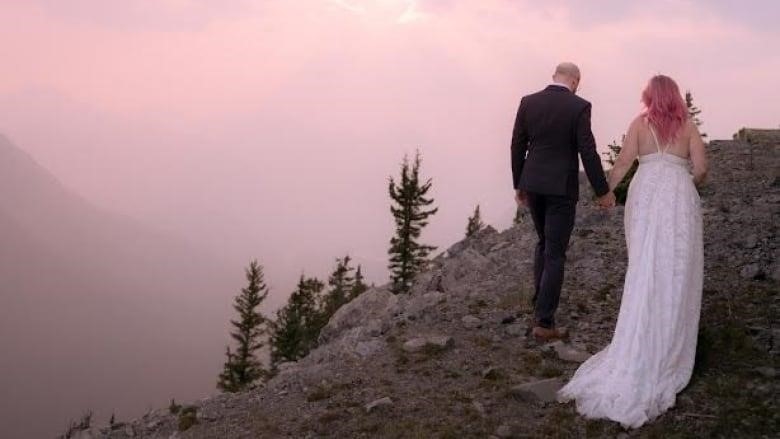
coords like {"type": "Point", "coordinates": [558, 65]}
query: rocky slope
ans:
{"type": "Point", "coordinates": [451, 360]}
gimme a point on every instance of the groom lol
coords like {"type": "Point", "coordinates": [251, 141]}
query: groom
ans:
{"type": "Point", "coordinates": [551, 127]}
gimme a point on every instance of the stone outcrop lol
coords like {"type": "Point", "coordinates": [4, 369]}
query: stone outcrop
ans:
{"type": "Point", "coordinates": [758, 136]}
{"type": "Point", "coordinates": [451, 358]}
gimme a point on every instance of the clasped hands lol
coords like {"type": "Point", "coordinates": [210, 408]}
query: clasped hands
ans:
{"type": "Point", "coordinates": [606, 201]}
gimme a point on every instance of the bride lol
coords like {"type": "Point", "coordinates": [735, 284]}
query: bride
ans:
{"type": "Point", "coordinates": [650, 357]}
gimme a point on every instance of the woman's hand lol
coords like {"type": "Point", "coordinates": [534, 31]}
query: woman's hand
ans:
{"type": "Point", "coordinates": [521, 198]}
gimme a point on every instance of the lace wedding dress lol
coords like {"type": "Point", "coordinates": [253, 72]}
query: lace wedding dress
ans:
{"type": "Point", "coordinates": [650, 358]}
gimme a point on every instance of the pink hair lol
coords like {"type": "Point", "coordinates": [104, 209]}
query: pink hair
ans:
{"type": "Point", "coordinates": [665, 109]}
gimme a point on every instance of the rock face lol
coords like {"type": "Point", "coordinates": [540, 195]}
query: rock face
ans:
{"type": "Point", "coordinates": [758, 136]}
{"type": "Point", "coordinates": [451, 358]}
{"type": "Point", "coordinates": [371, 311]}
{"type": "Point", "coordinates": [434, 342]}
{"type": "Point", "coordinates": [538, 391]}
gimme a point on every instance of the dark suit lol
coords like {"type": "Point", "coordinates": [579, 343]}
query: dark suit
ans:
{"type": "Point", "coordinates": [552, 126]}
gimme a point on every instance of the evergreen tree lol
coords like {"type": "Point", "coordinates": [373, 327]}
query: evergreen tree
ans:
{"type": "Point", "coordinates": [475, 223]}
{"type": "Point", "coordinates": [341, 284]}
{"type": "Point", "coordinates": [359, 286]}
{"type": "Point", "coordinates": [241, 367]}
{"type": "Point", "coordinates": [621, 190]}
{"type": "Point", "coordinates": [407, 256]}
{"type": "Point", "coordinates": [694, 111]}
{"type": "Point", "coordinates": [296, 328]}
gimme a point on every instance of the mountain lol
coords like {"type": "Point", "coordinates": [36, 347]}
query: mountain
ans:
{"type": "Point", "coordinates": [97, 311]}
{"type": "Point", "coordinates": [450, 359]}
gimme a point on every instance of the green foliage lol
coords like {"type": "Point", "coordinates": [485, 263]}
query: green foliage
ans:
{"type": "Point", "coordinates": [188, 416]}
{"type": "Point", "coordinates": [359, 286]}
{"type": "Point", "coordinates": [475, 223]}
{"type": "Point", "coordinates": [694, 111]}
{"type": "Point", "coordinates": [297, 326]}
{"type": "Point", "coordinates": [621, 190]}
{"type": "Point", "coordinates": [341, 283]}
{"type": "Point", "coordinates": [242, 368]}
{"type": "Point", "coordinates": [173, 407]}
{"type": "Point", "coordinates": [407, 255]}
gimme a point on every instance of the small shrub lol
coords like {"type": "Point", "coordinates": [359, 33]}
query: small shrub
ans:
{"type": "Point", "coordinates": [550, 371]}
{"type": "Point", "coordinates": [432, 350]}
{"type": "Point", "coordinates": [330, 416]}
{"type": "Point", "coordinates": [74, 427]}
{"type": "Point", "coordinates": [188, 416]}
{"type": "Point", "coordinates": [174, 408]}
{"type": "Point", "coordinates": [320, 392]}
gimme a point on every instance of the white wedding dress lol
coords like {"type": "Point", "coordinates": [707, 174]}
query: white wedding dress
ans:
{"type": "Point", "coordinates": [650, 358]}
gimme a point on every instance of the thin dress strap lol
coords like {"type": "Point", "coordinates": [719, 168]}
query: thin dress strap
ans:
{"type": "Point", "coordinates": [657, 145]}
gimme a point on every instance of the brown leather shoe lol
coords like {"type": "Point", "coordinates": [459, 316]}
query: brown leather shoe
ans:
{"type": "Point", "coordinates": [544, 335]}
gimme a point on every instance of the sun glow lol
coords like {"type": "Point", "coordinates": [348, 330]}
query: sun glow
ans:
{"type": "Point", "coordinates": [398, 11]}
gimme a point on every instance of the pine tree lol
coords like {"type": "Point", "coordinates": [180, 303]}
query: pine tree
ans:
{"type": "Point", "coordinates": [475, 223]}
{"type": "Point", "coordinates": [407, 256]}
{"type": "Point", "coordinates": [621, 190]}
{"type": "Point", "coordinates": [694, 111]}
{"type": "Point", "coordinates": [341, 284]}
{"type": "Point", "coordinates": [296, 328]}
{"type": "Point", "coordinates": [359, 286]}
{"type": "Point", "coordinates": [241, 367]}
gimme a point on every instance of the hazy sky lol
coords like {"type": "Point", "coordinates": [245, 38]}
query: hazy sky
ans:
{"type": "Point", "coordinates": [268, 128]}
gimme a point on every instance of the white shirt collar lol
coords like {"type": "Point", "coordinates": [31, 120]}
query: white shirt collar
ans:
{"type": "Point", "coordinates": [561, 85]}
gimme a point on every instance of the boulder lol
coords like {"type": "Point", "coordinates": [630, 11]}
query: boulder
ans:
{"type": "Point", "coordinates": [381, 402]}
{"type": "Point", "coordinates": [567, 352]}
{"type": "Point", "coordinates": [470, 321]}
{"type": "Point", "coordinates": [417, 344]}
{"type": "Point", "coordinates": [374, 309]}
{"type": "Point", "coordinates": [538, 391]}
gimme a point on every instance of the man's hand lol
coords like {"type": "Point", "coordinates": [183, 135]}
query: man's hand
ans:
{"type": "Point", "coordinates": [521, 198]}
{"type": "Point", "coordinates": [606, 201]}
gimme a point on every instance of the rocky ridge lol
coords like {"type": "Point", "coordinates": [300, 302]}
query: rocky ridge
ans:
{"type": "Point", "coordinates": [452, 359]}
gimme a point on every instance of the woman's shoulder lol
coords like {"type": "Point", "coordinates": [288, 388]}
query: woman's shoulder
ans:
{"type": "Point", "coordinates": [687, 129]}
{"type": "Point", "coordinates": [639, 122]}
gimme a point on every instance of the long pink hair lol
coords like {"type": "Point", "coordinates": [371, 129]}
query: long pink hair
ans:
{"type": "Point", "coordinates": [665, 109]}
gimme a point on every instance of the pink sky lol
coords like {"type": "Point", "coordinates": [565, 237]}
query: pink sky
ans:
{"type": "Point", "coordinates": [268, 128]}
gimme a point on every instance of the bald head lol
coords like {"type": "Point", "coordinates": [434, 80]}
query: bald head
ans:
{"type": "Point", "coordinates": [567, 73]}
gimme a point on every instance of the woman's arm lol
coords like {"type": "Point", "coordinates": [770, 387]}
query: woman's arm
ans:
{"type": "Point", "coordinates": [698, 154]}
{"type": "Point", "coordinates": [628, 153]}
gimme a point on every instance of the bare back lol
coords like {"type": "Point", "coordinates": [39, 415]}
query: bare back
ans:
{"type": "Point", "coordinates": [681, 146]}
{"type": "Point", "coordinates": [640, 141]}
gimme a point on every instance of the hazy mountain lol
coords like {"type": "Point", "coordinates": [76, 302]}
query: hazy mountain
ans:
{"type": "Point", "coordinates": [97, 310]}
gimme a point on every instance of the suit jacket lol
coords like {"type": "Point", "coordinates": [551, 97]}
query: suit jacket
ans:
{"type": "Point", "coordinates": [552, 126]}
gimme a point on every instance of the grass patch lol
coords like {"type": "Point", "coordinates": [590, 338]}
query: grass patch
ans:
{"type": "Point", "coordinates": [330, 416]}
{"type": "Point", "coordinates": [476, 306]}
{"type": "Point", "coordinates": [188, 416]}
{"type": "Point", "coordinates": [430, 350]}
{"type": "Point", "coordinates": [559, 423]}
{"type": "Point", "coordinates": [603, 293]}
{"type": "Point", "coordinates": [519, 301]}
{"type": "Point", "coordinates": [531, 361]}
{"type": "Point", "coordinates": [550, 371]}
{"type": "Point", "coordinates": [723, 345]}
{"type": "Point", "coordinates": [320, 392]}
{"type": "Point", "coordinates": [481, 340]}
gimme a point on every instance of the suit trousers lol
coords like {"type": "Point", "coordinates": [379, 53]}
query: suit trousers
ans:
{"type": "Point", "coordinates": [553, 217]}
